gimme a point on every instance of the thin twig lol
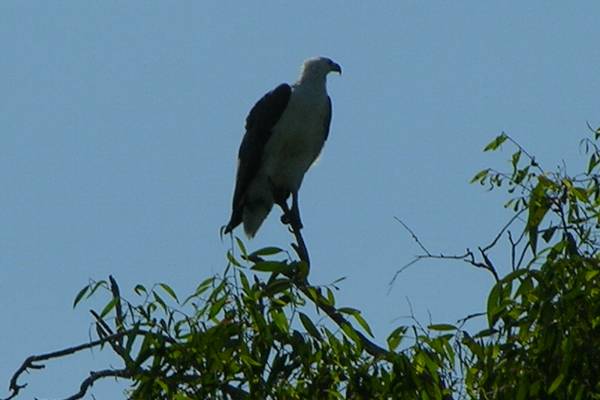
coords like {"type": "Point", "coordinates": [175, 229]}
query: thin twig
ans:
{"type": "Point", "coordinates": [504, 228]}
{"type": "Point", "coordinates": [534, 163]}
{"type": "Point", "coordinates": [402, 269]}
{"type": "Point", "coordinates": [415, 237]}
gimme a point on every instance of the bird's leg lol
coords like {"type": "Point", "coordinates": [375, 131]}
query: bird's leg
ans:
{"type": "Point", "coordinates": [295, 220]}
{"type": "Point", "coordinates": [285, 217]}
{"type": "Point", "coordinates": [280, 198]}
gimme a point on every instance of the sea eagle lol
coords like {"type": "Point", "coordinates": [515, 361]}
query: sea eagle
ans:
{"type": "Point", "coordinates": [285, 132]}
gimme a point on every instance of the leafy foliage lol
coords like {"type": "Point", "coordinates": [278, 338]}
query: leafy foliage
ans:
{"type": "Point", "coordinates": [260, 330]}
{"type": "Point", "coordinates": [238, 336]}
{"type": "Point", "coordinates": [543, 338]}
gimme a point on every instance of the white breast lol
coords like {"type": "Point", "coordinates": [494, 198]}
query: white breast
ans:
{"type": "Point", "coordinates": [297, 139]}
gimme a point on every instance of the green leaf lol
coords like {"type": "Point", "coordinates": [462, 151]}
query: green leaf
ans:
{"type": "Point", "coordinates": [278, 285]}
{"type": "Point", "coordinates": [164, 387]}
{"type": "Point", "coordinates": [442, 327]}
{"type": "Point", "coordinates": [478, 177]}
{"type": "Point", "coordinates": [581, 194]}
{"type": "Point", "coordinates": [514, 275]}
{"type": "Point", "coordinates": [497, 142]}
{"type": "Point", "coordinates": [160, 301]}
{"type": "Point", "coordinates": [313, 294]}
{"type": "Point", "coordinates": [265, 251]}
{"type": "Point", "coordinates": [244, 281]}
{"type": "Point", "coordinates": [280, 320]}
{"type": "Point", "coordinates": [108, 307]}
{"type": "Point", "coordinates": [330, 297]}
{"type": "Point", "coordinates": [201, 288]}
{"type": "Point", "coordinates": [493, 304]}
{"type": "Point", "coordinates": [216, 307]}
{"type": "Point", "coordinates": [592, 163]}
{"type": "Point", "coordinates": [348, 310]}
{"type": "Point", "coordinates": [520, 175]}
{"type": "Point", "coordinates": [556, 383]}
{"type": "Point", "coordinates": [271, 266]}
{"type": "Point", "coordinates": [96, 286]}
{"type": "Point", "coordinates": [249, 360]}
{"type": "Point", "coordinates": [241, 246]}
{"type": "Point", "coordinates": [548, 233]}
{"type": "Point", "coordinates": [589, 275]}
{"type": "Point", "coordinates": [301, 269]}
{"type": "Point", "coordinates": [396, 337]}
{"type": "Point", "coordinates": [363, 323]}
{"type": "Point", "coordinates": [140, 289]}
{"type": "Point", "coordinates": [351, 333]}
{"type": "Point", "coordinates": [80, 295]}
{"type": "Point", "coordinates": [485, 333]}
{"type": "Point", "coordinates": [232, 259]}
{"type": "Point", "coordinates": [539, 205]}
{"type": "Point", "coordinates": [309, 326]}
{"type": "Point", "coordinates": [515, 159]}
{"type": "Point", "coordinates": [534, 389]}
{"type": "Point", "coordinates": [169, 291]}
{"type": "Point", "coordinates": [205, 284]}
{"type": "Point", "coordinates": [580, 392]}
{"type": "Point", "coordinates": [523, 390]}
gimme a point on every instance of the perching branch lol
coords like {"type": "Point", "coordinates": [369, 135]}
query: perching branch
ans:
{"type": "Point", "coordinates": [295, 228]}
{"type": "Point", "coordinates": [321, 301]}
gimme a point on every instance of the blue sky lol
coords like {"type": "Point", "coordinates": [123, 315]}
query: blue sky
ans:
{"type": "Point", "coordinates": [120, 123]}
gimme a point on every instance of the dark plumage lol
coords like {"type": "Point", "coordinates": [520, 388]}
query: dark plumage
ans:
{"type": "Point", "coordinates": [285, 132]}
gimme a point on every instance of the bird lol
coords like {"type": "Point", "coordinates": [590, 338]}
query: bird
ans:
{"type": "Point", "coordinates": [285, 133]}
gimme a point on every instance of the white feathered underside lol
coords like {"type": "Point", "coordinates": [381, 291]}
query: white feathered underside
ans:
{"type": "Point", "coordinates": [295, 143]}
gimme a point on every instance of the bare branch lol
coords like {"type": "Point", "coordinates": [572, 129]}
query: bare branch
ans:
{"type": "Point", "coordinates": [96, 375]}
{"type": "Point", "coordinates": [504, 228]}
{"type": "Point", "coordinates": [29, 363]}
{"type": "Point", "coordinates": [468, 256]}
{"type": "Point", "coordinates": [487, 264]}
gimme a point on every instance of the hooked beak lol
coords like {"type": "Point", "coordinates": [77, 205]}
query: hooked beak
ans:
{"type": "Point", "coordinates": [336, 68]}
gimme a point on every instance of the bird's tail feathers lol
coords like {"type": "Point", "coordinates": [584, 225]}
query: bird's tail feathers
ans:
{"type": "Point", "coordinates": [236, 219]}
{"type": "Point", "coordinates": [254, 215]}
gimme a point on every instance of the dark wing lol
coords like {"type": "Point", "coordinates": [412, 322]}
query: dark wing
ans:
{"type": "Point", "coordinates": [259, 123]}
{"type": "Point", "coordinates": [328, 117]}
